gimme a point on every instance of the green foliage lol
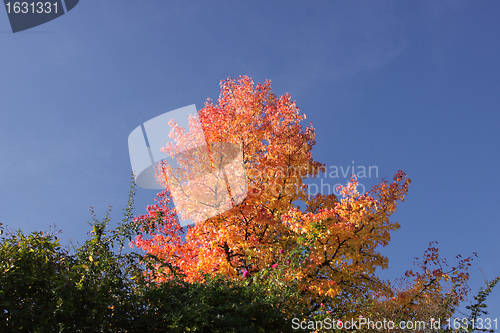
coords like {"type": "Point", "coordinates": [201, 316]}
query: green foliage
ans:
{"type": "Point", "coordinates": [35, 279]}
{"type": "Point", "coordinates": [479, 308]}
{"type": "Point", "coordinates": [45, 289]}
{"type": "Point", "coordinates": [217, 305]}
{"type": "Point", "coordinates": [474, 323]}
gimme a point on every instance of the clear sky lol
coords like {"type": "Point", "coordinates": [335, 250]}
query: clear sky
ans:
{"type": "Point", "coordinates": [411, 85]}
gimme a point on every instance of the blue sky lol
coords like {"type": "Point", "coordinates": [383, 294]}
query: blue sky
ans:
{"type": "Point", "coordinates": [393, 84]}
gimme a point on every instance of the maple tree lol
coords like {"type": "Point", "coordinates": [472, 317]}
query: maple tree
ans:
{"type": "Point", "coordinates": [330, 247]}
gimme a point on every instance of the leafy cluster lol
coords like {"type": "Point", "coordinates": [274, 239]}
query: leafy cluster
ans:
{"type": "Point", "coordinates": [332, 245]}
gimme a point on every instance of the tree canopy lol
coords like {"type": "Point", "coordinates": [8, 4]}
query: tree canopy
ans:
{"type": "Point", "coordinates": [330, 246]}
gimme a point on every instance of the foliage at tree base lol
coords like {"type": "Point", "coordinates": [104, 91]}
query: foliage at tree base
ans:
{"type": "Point", "coordinates": [44, 288]}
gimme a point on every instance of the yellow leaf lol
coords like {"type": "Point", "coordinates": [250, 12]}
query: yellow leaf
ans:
{"type": "Point", "coordinates": [90, 258]}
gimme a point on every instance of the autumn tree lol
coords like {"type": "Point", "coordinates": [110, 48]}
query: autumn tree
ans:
{"type": "Point", "coordinates": [331, 246]}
